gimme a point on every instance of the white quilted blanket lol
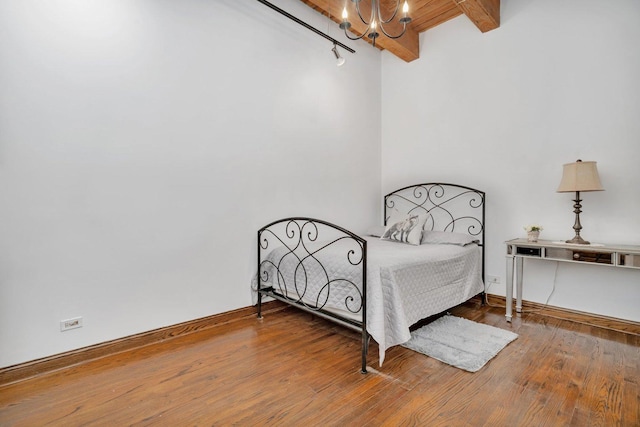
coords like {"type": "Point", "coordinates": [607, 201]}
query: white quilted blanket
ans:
{"type": "Point", "coordinates": [405, 283]}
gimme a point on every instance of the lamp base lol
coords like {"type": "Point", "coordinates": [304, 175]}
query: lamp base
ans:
{"type": "Point", "coordinates": [578, 241]}
{"type": "Point", "coordinates": [577, 208]}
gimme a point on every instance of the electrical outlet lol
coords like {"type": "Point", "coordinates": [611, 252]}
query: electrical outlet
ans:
{"type": "Point", "coordinates": [74, 323]}
{"type": "Point", "coordinates": [493, 279]}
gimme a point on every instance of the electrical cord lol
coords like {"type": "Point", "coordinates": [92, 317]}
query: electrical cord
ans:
{"type": "Point", "coordinates": [537, 310]}
{"type": "Point", "coordinates": [486, 291]}
{"type": "Point", "coordinates": [553, 290]}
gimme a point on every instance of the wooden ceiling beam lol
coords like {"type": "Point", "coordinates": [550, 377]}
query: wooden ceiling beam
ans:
{"type": "Point", "coordinates": [406, 47]}
{"type": "Point", "coordinates": [485, 14]}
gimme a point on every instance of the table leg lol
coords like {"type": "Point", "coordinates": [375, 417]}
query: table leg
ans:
{"type": "Point", "coordinates": [519, 272]}
{"type": "Point", "coordinates": [509, 299]}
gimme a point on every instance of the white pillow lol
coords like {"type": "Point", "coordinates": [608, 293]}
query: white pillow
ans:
{"type": "Point", "coordinates": [405, 228]}
{"type": "Point", "coordinates": [447, 238]}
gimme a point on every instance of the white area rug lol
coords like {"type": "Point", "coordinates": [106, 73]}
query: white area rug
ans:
{"type": "Point", "coordinates": [459, 342]}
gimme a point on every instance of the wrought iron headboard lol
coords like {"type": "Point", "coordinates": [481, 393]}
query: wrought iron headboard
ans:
{"type": "Point", "coordinates": [449, 207]}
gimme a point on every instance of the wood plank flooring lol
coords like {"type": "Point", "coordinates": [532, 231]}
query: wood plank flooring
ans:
{"type": "Point", "coordinates": [292, 369]}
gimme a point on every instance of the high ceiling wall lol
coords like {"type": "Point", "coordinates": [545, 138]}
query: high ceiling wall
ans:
{"type": "Point", "coordinates": [504, 110]}
{"type": "Point", "coordinates": [142, 144]}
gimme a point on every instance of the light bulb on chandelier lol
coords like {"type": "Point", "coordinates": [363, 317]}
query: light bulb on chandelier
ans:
{"type": "Point", "coordinates": [376, 20]}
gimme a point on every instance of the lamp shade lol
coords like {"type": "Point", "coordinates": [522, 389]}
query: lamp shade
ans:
{"type": "Point", "coordinates": [580, 176]}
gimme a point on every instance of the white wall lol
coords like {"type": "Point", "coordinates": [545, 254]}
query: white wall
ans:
{"type": "Point", "coordinates": [502, 112]}
{"type": "Point", "coordinates": [143, 143]}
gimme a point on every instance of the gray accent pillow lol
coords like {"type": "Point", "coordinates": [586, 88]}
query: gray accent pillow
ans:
{"type": "Point", "coordinates": [405, 228]}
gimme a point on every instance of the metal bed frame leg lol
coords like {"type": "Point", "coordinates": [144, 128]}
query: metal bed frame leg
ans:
{"type": "Point", "coordinates": [365, 334]}
{"type": "Point", "coordinates": [258, 281]}
{"type": "Point", "coordinates": [365, 350]}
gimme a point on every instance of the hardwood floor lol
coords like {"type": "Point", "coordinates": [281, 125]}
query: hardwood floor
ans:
{"type": "Point", "coordinates": [294, 369]}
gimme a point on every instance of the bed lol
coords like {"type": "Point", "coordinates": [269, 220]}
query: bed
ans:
{"type": "Point", "coordinates": [427, 258]}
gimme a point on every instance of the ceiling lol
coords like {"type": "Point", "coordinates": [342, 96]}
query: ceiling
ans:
{"type": "Point", "coordinates": [425, 14]}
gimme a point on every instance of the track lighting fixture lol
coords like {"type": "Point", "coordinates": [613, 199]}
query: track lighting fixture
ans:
{"type": "Point", "coordinates": [335, 42]}
{"type": "Point", "coordinates": [340, 60]}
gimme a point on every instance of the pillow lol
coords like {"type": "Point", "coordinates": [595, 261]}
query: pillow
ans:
{"type": "Point", "coordinates": [376, 231]}
{"type": "Point", "coordinates": [405, 229]}
{"type": "Point", "coordinates": [447, 238]}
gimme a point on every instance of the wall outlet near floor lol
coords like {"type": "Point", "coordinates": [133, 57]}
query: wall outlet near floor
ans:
{"type": "Point", "coordinates": [74, 323]}
{"type": "Point", "coordinates": [493, 279]}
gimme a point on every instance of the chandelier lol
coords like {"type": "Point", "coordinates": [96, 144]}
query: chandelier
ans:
{"type": "Point", "coordinates": [376, 20]}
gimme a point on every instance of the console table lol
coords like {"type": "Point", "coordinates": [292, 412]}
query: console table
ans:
{"type": "Point", "coordinates": [619, 256]}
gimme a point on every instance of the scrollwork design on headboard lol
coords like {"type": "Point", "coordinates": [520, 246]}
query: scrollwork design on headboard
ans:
{"type": "Point", "coordinates": [293, 267]}
{"type": "Point", "coordinates": [449, 207]}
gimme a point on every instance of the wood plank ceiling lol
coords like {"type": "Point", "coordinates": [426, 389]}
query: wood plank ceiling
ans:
{"type": "Point", "coordinates": [425, 14]}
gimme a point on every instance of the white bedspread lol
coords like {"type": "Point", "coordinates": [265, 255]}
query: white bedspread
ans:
{"type": "Point", "coordinates": [408, 283]}
{"type": "Point", "coordinates": [405, 283]}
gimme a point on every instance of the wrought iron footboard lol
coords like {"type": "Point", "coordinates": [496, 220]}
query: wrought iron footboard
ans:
{"type": "Point", "coordinates": [318, 267]}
